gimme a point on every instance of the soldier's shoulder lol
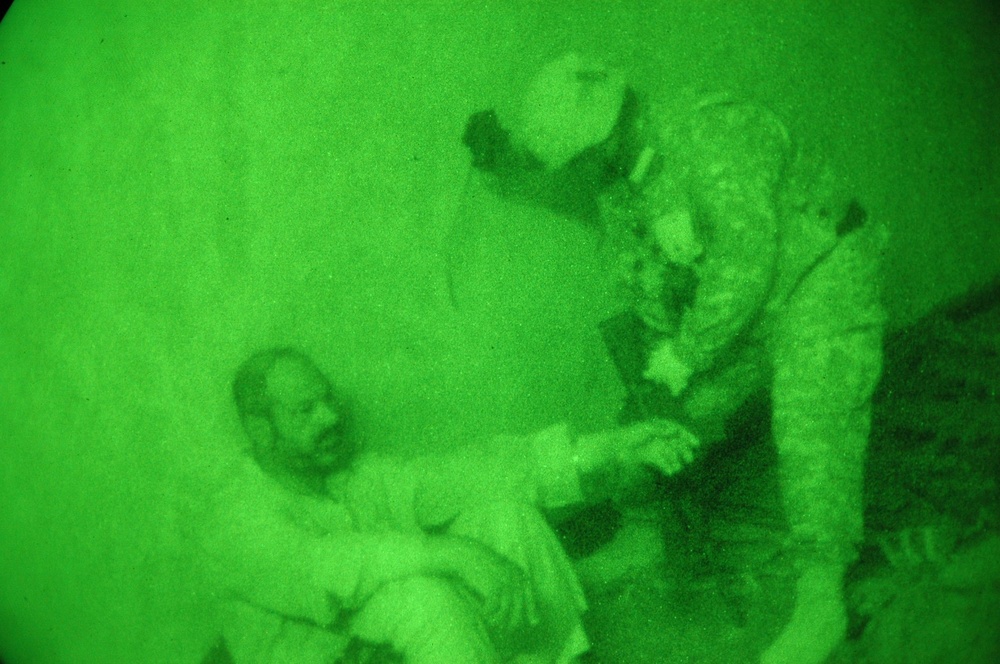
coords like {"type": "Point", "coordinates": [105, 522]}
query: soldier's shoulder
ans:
{"type": "Point", "coordinates": [723, 132]}
{"type": "Point", "coordinates": [688, 114]}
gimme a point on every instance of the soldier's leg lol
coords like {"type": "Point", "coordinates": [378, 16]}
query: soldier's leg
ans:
{"type": "Point", "coordinates": [827, 355]}
{"type": "Point", "coordinates": [826, 349]}
{"type": "Point", "coordinates": [821, 421]}
{"type": "Point", "coordinates": [427, 620]}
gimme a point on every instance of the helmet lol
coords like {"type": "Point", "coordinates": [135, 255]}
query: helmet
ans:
{"type": "Point", "coordinates": [571, 105]}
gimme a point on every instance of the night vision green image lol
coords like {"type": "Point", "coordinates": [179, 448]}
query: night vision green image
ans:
{"type": "Point", "coordinates": [451, 332]}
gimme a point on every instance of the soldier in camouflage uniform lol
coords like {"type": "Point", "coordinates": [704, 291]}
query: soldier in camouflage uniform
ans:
{"type": "Point", "coordinates": [749, 268]}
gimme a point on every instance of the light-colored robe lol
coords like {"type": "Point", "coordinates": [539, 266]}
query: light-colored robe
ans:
{"type": "Point", "coordinates": [292, 568]}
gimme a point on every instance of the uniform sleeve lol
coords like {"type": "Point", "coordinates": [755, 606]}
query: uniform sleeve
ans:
{"type": "Point", "coordinates": [262, 557]}
{"type": "Point", "coordinates": [536, 470]}
{"type": "Point", "coordinates": [738, 154]}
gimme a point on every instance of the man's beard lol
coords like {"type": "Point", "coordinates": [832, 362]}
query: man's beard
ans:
{"type": "Point", "coordinates": [332, 452]}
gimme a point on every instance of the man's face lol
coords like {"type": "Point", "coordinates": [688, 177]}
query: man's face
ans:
{"type": "Point", "coordinates": [306, 419]}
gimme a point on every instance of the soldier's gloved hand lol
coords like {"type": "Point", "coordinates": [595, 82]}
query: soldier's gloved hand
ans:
{"type": "Point", "coordinates": [666, 368]}
{"type": "Point", "coordinates": [819, 620]}
{"type": "Point", "coordinates": [675, 235]}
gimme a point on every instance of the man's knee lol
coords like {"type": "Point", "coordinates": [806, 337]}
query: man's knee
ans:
{"type": "Point", "coordinates": [426, 594]}
{"type": "Point", "coordinates": [419, 603]}
{"type": "Point", "coordinates": [427, 619]}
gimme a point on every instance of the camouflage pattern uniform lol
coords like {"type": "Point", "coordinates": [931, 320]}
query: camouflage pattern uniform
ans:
{"type": "Point", "coordinates": [785, 294]}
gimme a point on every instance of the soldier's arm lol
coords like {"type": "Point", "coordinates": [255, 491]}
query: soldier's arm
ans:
{"type": "Point", "coordinates": [738, 154]}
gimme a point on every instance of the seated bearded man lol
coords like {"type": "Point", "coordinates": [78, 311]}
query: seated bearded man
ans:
{"type": "Point", "coordinates": [322, 548]}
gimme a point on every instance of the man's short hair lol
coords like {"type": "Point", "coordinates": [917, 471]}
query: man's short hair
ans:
{"type": "Point", "coordinates": [250, 383]}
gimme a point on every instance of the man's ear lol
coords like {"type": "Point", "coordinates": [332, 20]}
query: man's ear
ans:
{"type": "Point", "coordinates": [259, 430]}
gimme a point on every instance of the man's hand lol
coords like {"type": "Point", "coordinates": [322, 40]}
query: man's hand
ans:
{"type": "Point", "coordinates": [661, 444]}
{"type": "Point", "coordinates": [499, 587]}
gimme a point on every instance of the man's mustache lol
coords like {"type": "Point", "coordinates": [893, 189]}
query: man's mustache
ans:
{"type": "Point", "coordinates": [330, 435]}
